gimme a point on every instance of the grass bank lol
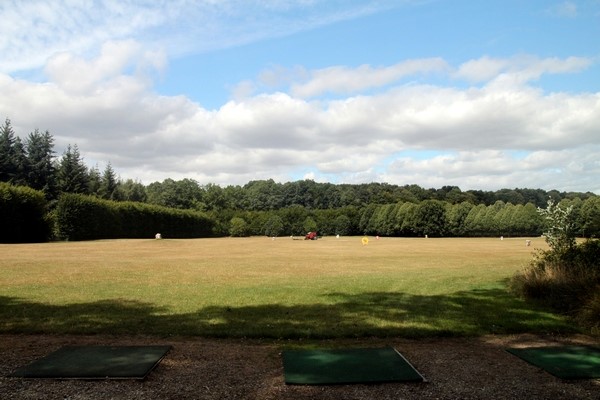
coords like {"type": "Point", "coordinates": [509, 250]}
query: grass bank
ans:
{"type": "Point", "coordinates": [258, 287]}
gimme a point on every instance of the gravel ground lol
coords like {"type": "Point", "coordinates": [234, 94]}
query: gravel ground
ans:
{"type": "Point", "coordinates": [198, 368]}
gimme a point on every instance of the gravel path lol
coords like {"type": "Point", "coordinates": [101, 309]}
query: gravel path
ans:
{"type": "Point", "coordinates": [199, 368]}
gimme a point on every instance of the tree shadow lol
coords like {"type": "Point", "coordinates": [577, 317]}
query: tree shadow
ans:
{"type": "Point", "coordinates": [382, 314]}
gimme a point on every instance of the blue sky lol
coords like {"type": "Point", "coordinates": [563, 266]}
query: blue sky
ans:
{"type": "Point", "coordinates": [454, 30]}
{"type": "Point", "coordinates": [482, 95]}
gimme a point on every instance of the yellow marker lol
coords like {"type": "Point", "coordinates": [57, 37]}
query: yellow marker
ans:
{"type": "Point", "coordinates": [365, 240]}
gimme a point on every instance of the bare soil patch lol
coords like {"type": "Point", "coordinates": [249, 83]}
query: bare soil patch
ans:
{"type": "Point", "coordinates": [200, 368]}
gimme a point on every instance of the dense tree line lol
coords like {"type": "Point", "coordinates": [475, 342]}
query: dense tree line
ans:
{"type": "Point", "coordinates": [268, 195]}
{"type": "Point", "coordinates": [433, 218]}
{"type": "Point", "coordinates": [266, 207]}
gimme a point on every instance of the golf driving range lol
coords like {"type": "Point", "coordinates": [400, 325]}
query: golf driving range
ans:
{"type": "Point", "coordinates": [332, 311]}
{"type": "Point", "coordinates": [259, 287]}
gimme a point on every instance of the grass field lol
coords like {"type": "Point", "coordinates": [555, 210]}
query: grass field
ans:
{"type": "Point", "coordinates": [258, 287]}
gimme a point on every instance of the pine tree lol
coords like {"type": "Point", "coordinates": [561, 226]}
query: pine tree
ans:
{"type": "Point", "coordinates": [109, 184]}
{"type": "Point", "coordinates": [94, 181]}
{"type": "Point", "coordinates": [8, 168]}
{"type": "Point", "coordinates": [21, 163]}
{"type": "Point", "coordinates": [71, 172]}
{"type": "Point", "coordinates": [40, 154]}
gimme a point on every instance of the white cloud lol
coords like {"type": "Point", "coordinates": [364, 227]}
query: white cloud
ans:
{"type": "Point", "coordinates": [351, 80]}
{"type": "Point", "coordinates": [77, 75]}
{"type": "Point", "coordinates": [113, 114]}
{"type": "Point", "coordinates": [492, 169]}
{"type": "Point", "coordinates": [482, 69]}
{"type": "Point", "coordinates": [39, 29]}
{"type": "Point", "coordinates": [519, 69]}
{"type": "Point", "coordinates": [33, 31]}
{"type": "Point", "coordinates": [341, 80]}
{"type": "Point", "coordinates": [101, 59]}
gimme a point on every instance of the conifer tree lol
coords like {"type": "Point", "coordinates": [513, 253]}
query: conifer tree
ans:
{"type": "Point", "coordinates": [71, 172]}
{"type": "Point", "coordinates": [40, 154]}
{"type": "Point", "coordinates": [8, 168]}
{"type": "Point", "coordinates": [21, 163]}
{"type": "Point", "coordinates": [94, 181]}
{"type": "Point", "coordinates": [109, 184]}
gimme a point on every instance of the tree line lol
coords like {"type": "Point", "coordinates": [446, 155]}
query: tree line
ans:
{"type": "Point", "coordinates": [292, 208]}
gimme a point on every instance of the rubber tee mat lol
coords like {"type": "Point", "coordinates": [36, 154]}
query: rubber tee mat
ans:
{"type": "Point", "coordinates": [347, 366]}
{"type": "Point", "coordinates": [96, 362]}
{"type": "Point", "coordinates": [566, 362]}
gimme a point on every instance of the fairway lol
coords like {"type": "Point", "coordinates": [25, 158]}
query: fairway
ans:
{"type": "Point", "coordinates": [259, 287]}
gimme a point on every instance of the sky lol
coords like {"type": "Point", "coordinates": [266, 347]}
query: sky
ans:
{"type": "Point", "coordinates": [482, 95]}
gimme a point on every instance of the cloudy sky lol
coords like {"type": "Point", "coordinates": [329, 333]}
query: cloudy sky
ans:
{"type": "Point", "coordinates": [479, 94]}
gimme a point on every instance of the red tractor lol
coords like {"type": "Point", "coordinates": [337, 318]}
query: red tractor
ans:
{"type": "Point", "coordinates": [311, 236]}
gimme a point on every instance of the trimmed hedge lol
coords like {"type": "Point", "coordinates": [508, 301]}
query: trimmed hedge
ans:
{"type": "Point", "coordinates": [80, 217]}
{"type": "Point", "coordinates": [22, 212]}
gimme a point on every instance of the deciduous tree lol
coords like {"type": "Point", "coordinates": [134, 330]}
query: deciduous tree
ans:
{"type": "Point", "coordinates": [274, 226]}
{"type": "Point", "coordinates": [238, 227]}
{"type": "Point", "coordinates": [590, 216]}
{"type": "Point", "coordinates": [430, 218]}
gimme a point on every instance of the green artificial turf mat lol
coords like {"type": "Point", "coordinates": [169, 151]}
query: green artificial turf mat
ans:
{"type": "Point", "coordinates": [96, 362]}
{"type": "Point", "coordinates": [345, 366]}
{"type": "Point", "coordinates": [566, 362]}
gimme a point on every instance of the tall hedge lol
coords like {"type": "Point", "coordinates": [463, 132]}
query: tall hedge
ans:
{"type": "Point", "coordinates": [22, 212]}
{"type": "Point", "coordinates": [80, 217]}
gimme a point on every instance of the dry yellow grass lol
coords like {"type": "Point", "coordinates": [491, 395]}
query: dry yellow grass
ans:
{"type": "Point", "coordinates": [216, 286]}
{"type": "Point", "coordinates": [242, 261]}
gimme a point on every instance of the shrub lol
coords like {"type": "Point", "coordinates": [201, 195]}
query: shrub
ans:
{"type": "Point", "coordinates": [590, 312]}
{"type": "Point", "coordinates": [566, 277]}
{"type": "Point", "coordinates": [564, 282]}
{"type": "Point", "coordinates": [560, 232]}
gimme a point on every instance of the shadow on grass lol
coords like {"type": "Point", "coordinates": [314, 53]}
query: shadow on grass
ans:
{"type": "Point", "coordinates": [381, 314]}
